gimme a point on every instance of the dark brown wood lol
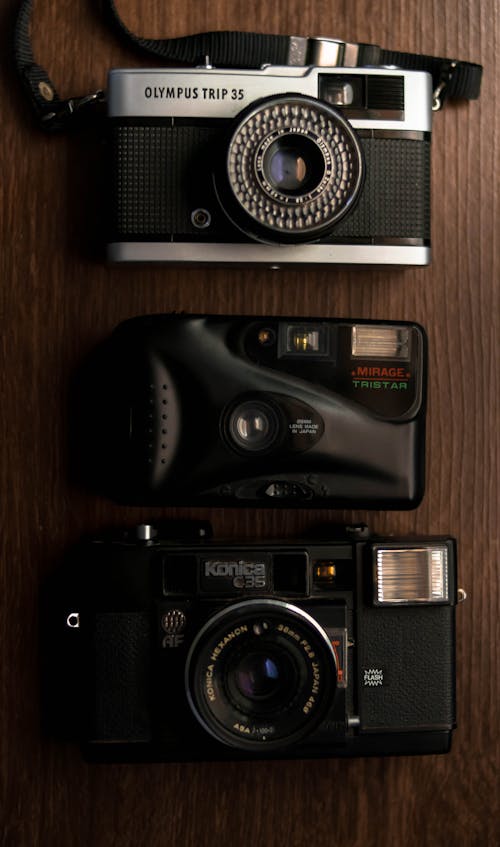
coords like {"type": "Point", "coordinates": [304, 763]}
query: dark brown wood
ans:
{"type": "Point", "coordinates": [58, 299]}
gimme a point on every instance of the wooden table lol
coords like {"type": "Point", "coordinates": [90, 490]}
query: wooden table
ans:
{"type": "Point", "coordinates": [58, 299]}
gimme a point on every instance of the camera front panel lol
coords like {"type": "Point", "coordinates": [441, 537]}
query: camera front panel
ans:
{"type": "Point", "coordinates": [200, 661]}
{"type": "Point", "coordinates": [162, 191]}
{"type": "Point", "coordinates": [172, 136]}
{"type": "Point", "coordinates": [289, 412]}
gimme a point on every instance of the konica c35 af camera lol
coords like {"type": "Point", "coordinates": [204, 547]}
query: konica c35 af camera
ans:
{"type": "Point", "coordinates": [201, 650]}
{"type": "Point", "coordinates": [274, 166]}
{"type": "Point", "coordinates": [224, 410]}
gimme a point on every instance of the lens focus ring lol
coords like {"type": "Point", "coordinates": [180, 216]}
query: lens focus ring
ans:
{"type": "Point", "coordinates": [261, 673]}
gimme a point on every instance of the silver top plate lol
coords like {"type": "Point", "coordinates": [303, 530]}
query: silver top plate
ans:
{"type": "Point", "coordinates": [216, 93]}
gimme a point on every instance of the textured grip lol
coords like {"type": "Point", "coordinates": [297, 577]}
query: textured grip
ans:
{"type": "Point", "coordinates": [152, 170]}
{"type": "Point", "coordinates": [406, 671]}
{"type": "Point", "coordinates": [161, 173]}
{"type": "Point", "coordinates": [395, 199]}
{"type": "Point", "coordinates": [121, 667]}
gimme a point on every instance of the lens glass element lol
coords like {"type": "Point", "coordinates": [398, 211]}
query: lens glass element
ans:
{"type": "Point", "coordinates": [294, 165]}
{"type": "Point", "coordinates": [253, 425]}
{"type": "Point", "coordinates": [259, 676]}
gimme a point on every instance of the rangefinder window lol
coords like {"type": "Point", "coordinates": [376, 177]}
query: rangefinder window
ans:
{"type": "Point", "coordinates": [342, 90]}
{"type": "Point", "coordinates": [368, 96]}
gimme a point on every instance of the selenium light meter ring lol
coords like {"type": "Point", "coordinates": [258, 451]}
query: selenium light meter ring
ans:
{"type": "Point", "coordinates": [294, 116]}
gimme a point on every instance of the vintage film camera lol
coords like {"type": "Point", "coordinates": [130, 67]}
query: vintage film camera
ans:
{"type": "Point", "coordinates": [193, 649]}
{"type": "Point", "coordinates": [275, 166]}
{"type": "Point", "coordinates": [225, 410]}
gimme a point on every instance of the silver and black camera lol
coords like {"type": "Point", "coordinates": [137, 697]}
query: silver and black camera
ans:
{"type": "Point", "coordinates": [273, 166]}
{"type": "Point", "coordinates": [226, 410]}
{"type": "Point", "coordinates": [170, 649]}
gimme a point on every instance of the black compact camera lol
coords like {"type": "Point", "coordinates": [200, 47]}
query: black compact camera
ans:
{"type": "Point", "coordinates": [223, 410]}
{"type": "Point", "coordinates": [194, 649]}
{"type": "Point", "coordinates": [282, 165]}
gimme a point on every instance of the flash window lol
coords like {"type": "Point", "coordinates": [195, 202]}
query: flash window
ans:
{"type": "Point", "coordinates": [380, 342]}
{"type": "Point", "coordinates": [409, 575]}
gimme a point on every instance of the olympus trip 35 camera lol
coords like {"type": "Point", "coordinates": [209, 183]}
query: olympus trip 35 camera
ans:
{"type": "Point", "coordinates": [275, 166]}
{"type": "Point", "coordinates": [227, 411]}
{"type": "Point", "coordinates": [192, 649]}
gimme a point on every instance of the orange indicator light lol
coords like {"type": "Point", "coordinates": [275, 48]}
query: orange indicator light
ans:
{"type": "Point", "coordinates": [325, 571]}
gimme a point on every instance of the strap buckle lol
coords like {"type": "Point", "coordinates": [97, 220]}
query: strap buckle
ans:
{"type": "Point", "coordinates": [439, 93]}
{"type": "Point", "coordinates": [330, 52]}
{"type": "Point", "coordinates": [65, 110]}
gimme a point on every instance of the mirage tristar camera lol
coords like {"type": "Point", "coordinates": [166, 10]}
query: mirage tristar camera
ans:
{"type": "Point", "coordinates": [234, 411]}
{"type": "Point", "coordinates": [281, 165]}
{"type": "Point", "coordinates": [192, 649]}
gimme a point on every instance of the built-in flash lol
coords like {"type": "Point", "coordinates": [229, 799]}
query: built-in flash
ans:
{"type": "Point", "coordinates": [380, 342]}
{"type": "Point", "coordinates": [409, 575]}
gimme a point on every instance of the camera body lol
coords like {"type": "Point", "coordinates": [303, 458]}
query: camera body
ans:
{"type": "Point", "coordinates": [282, 165]}
{"type": "Point", "coordinates": [193, 649]}
{"type": "Point", "coordinates": [225, 410]}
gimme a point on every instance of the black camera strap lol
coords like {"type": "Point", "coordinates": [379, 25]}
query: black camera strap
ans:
{"type": "Point", "coordinates": [451, 78]}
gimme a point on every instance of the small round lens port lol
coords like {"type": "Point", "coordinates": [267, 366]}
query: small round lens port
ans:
{"type": "Point", "coordinates": [253, 426]}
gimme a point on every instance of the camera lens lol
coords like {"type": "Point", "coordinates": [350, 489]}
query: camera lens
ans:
{"type": "Point", "coordinates": [263, 676]}
{"type": "Point", "coordinates": [253, 425]}
{"type": "Point", "coordinates": [293, 165]}
{"type": "Point", "coordinates": [292, 169]}
{"type": "Point", "coordinates": [252, 685]}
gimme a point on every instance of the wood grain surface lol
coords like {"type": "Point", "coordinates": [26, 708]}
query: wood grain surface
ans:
{"type": "Point", "coordinates": [58, 299]}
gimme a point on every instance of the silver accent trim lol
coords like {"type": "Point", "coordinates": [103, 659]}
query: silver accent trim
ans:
{"type": "Point", "coordinates": [201, 218]}
{"type": "Point", "coordinates": [73, 620]}
{"type": "Point", "coordinates": [330, 52]}
{"type": "Point", "coordinates": [297, 50]}
{"type": "Point", "coordinates": [264, 254]}
{"type": "Point", "coordinates": [145, 532]}
{"type": "Point", "coordinates": [322, 52]}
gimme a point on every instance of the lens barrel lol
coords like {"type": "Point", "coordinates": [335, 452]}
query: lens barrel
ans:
{"type": "Point", "coordinates": [261, 674]}
{"type": "Point", "coordinates": [253, 426]}
{"type": "Point", "coordinates": [293, 167]}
